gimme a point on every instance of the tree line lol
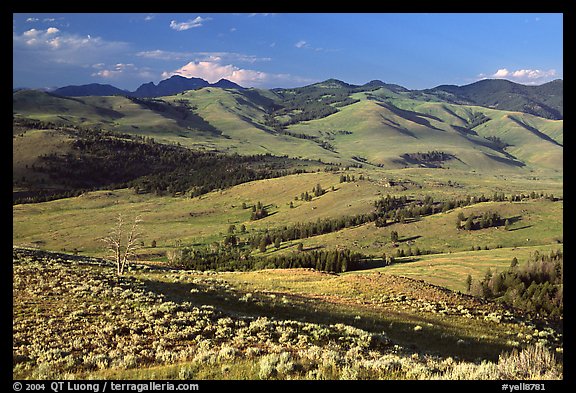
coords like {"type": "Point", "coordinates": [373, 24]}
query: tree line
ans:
{"type": "Point", "coordinates": [308, 103]}
{"type": "Point", "coordinates": [486, 220]}
{"type": "Point", "coordinates": [309, 229]}
{"type": "Point", "coordinates": [392, 209]}
{"type": "Point", "coordinates": [103, 159]}
{"type": "Point", "coordinates": [429, 156]}
{"type": "Point", "coordinates": [236, 259]}
{"type": "Point", "coordinates": [388, 210]}
{"type": "Point", "coordinates": [535, 286]}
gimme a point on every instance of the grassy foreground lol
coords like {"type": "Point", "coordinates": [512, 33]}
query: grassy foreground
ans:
{"type": "Point", "coordinates": [74, 318]}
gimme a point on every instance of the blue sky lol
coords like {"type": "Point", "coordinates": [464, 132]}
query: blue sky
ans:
{"type": "Point", "coordinates": [414, 50]}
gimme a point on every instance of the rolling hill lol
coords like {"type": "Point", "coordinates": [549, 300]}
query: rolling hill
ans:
{"type": "Point", "coordinates": [545, 100]}
{"type": "Point", "coordinates": [93, 89]}
{"type": "Point", "coordinates": [376, 123]}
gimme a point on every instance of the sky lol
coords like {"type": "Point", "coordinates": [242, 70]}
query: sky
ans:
{"type": "Point", "coordinates": [269, 50]}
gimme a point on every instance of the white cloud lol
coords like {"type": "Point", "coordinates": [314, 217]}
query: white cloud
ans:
{"type": "Point", "coordinates": [524, 76]}
{"type": "Point", "coordinates": [159, 54]}
{"type": "Point", "coordinates": [43, 20]}
{"type": "Point", "coordinates": [533, 74]}
{"type": "Point", "coordinates": [213, 71]}
{"type": "Point", "coordinates": [121, 70]}
{"type": "Point", "coordinates": [181, 26]}
{"type": "Point", "coordinates": [501, 73]}
{"type": "Point", "coordinates": [52, 45]}
{"type": "Point", "coordinates": [302, 44]}
{"type": "Point", "coordinates": [31, 33]}
{"type": "Point", "coordinates": [46, 52]}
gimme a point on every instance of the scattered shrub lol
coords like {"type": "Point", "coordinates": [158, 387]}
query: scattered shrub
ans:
{"type": "Point", "coordinates": [105, 321]}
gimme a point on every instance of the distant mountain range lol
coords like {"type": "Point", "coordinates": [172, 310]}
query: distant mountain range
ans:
{"type": "Point", "coordinates": [544, 100]}
{"type": "Point", "coordinates": [173, 85]}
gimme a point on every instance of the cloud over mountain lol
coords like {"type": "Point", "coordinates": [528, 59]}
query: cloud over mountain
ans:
{"type": "Point", "coordinates": [214, 70]}
{"type": "Point", "coordinates": [524, 76]}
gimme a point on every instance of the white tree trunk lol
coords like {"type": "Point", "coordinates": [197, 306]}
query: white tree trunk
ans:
{"type": "Point", "coordinates": [122, 251]}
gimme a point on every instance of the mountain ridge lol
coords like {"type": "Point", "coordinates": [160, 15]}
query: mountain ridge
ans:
{"type": "Point", "coordinates": [170, 86]}
{"type": "Point", "coordinates": [544, 100]}
{"type": "Point", "coordinates": [91, 89]}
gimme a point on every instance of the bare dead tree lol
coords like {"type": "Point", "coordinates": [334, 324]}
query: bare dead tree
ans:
{"type": "Point", "coordinates": [123, 243]}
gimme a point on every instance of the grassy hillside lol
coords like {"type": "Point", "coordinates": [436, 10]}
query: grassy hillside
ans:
{"type": "Point", "coordinates": [205, 219]}
{"type": "Point", "coordinates": [110, 112]}
{"type": "Point", "coordinates": [62, 224]}
{"type": "Point", "coordinates": [537, 224]}
{"type": "Point", "coordinates": [451, 270]}
{"type": "Point", "coordinates": [332, 122]}
{"type": "Point", "coordinates": [281, 324]}
{"type": "Point", "coordinates": [380, 134]}
{"type": "Point", "coordinates": [241, 123]}
{"type": "Point", "coordinates": [28, 146]}
{"type": "Point", "coordinates": [531, 140]}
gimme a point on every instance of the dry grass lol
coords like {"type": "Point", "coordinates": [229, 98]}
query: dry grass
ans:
{"type": "Point", "coordinates": [77, 319]}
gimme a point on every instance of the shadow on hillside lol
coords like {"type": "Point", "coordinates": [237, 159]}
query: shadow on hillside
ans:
{"type": "Point", "coordinates": [408, 239]}
{"type": "Point", "coordinates": [313, 248]}
{"type": "Point", "coordinates": [517, 229]}
{"type": "Point", "coordinates": [401, 260]}
{"type": "Point", "coordinates": [397, 127]}
{"type": "Point", "coordinates": [464, 131]}
{"type": "Point", "coordinates": [507, 161]}
{"type": "Point", "coordinates": [450, 111]}
{"type": "Point", "coordinates": [285, 246]}
{"type": "Point", "coordinates": [533, 130]}
{"type": "Point", "coordinates": [399, 325]}
{"type": "Point", "coordinates": [415, 117]}
{"type": "Point", "coordinates": [514, 220]}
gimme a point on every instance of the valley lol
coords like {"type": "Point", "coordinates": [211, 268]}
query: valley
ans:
{"type": "Point", "coordinates": [332, 231]}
